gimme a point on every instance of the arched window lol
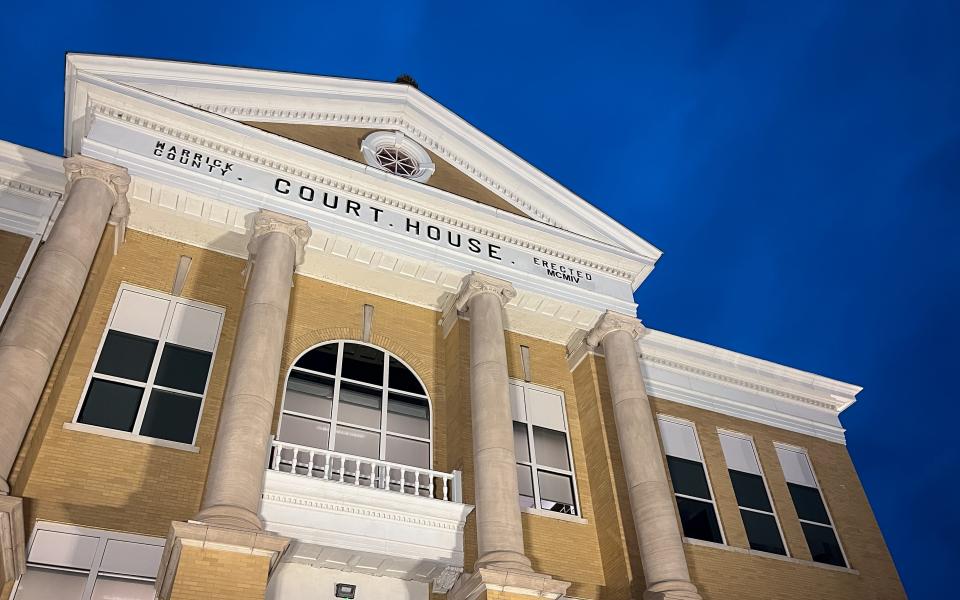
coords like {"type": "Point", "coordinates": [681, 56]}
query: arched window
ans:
{"type": "Point", "coordinates": [357, 399]}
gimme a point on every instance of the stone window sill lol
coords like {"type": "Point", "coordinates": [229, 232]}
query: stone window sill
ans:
{"type": "Point", "coordinates": [130, 437]}
{"type": "Point", "coordinates": [790, 559]}
{"type": "Point", "coordinates": [554, 515]}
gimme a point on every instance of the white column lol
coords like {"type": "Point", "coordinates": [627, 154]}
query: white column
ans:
{"type": "Point", "coordinates": [651, 501]}
{"type": "Point", "coordinates": [499, 529]}
{"type": "Point", "coordinates": [38, 321]}
{"type": "Point", "coordinates": [235, 479]}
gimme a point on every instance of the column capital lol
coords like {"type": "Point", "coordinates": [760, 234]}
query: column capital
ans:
{"type": "Point", "coordinates": [267, 221]}
{"type": "Point", "coordinates": [478, 283]}
{"type": "Point", "coordinates": [113, 176]}
{"type": "Point", "coordinates": [612, 321]}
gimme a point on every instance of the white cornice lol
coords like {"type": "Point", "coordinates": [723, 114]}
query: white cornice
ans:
{"type": "Point", "coordinates": [249, 93]}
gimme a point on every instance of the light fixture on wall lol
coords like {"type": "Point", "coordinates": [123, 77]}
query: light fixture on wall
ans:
{"type": "Point", "coordinates": [346, 590]}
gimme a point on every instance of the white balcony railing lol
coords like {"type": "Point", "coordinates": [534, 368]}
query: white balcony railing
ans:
{"type": "Point", "coordinates": [365, 472]}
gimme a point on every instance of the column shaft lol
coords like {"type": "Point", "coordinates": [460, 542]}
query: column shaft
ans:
{"type": "Point", "coordinates": [499, 529]}
{"type": "Point", "coordinates": [235, 478]}
{"type": "Point", "coordinates": [38, 320]}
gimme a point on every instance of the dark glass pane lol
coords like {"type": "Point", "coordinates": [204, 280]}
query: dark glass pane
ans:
{"type": "Point", "coordinates": [358, 442]}
{"type": "Point", "coordinates": [809, 504]}
{"type": "Point", "coordinates": [525, 486]}
{"type": "Point", "coordinates": [403, 379]}
{"type": "Point", "coordinates": [171, 416]}
{"type": "Point", "coordinates": [126, 355]}
{"type": "Point", "coordinates": [112, 405]}
{"type": "Point", "coordinates": [823, 544]}
{"type": "Point", "coordinates": [362, 363]}
{"type": "Point", "coordinates": [309, 394]}
{"type": "Point", "coordinates": [551, 448]}
{"type": "Point", "coordinates": [762, 532]}
{"type": "Point", "coordinates": [556, 492]}
{"type": "Point", "coordinates": [304, 432]}
{"type": "Point", "coordinates": [409, 416]}
{"type": "Point", "coordinates": [359, 405]}
{"type": "Point", "coordinates": [688, 477]}
{"type": "Point", "coordinates": [183, 368]}
{"type": "Point", "coordinates": [521, 446]}
{"type": "Point", "coordinates": [323, 359]}
{"type": "Point", "coordinates": [750, 490]}
{"type": "Point", "coordinates": [408, 452]}
{"type": "Point", "coordinates": [699, 520]}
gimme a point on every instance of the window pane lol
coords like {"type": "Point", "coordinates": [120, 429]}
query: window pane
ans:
{"type": "Point", "coordinates": [304, 432]}
{"type": "Point", "coordinates": [309, 394]}
{"type": "Point", "coordinates": [112, 405]}
{"type": "Point", "coordinates": [699, 520]}
{"type": "Point", "coordinates": [362, 363]}
{"type": "Point", "coordinates": [688, 477]}
{"type": "Point", "coordinates": [409, 416]}
{"type": "Point", "coordinates": [43, 584]}
{"type": "Point", "coordinates": [359, 405]}
{"type": "Point", "coordinates": [556, 492]}
{"type": "Point", "coordinates": [408, 452]}
{"type": "Point", "coordinates": [525, 486]}
{"type": "Point", "coordinates": [171, 416]}
{"type": "Point", "coordinates": [322, 359]}
{"type": "Point", "coordinates": [809, 504]}
{"type": "Point", "coordinates": [358, 442]}
{"type": "Point", "coordinates": [762, 532]}
{"type": "Point", "coordinates": [183, 368]}
{"type": "Point", "coordinates": [750, 490]}
{"type": "Point", "coordinates": [114, 588]}
{"type": "Point", "coordinates": [403, 379]}
{"type": "Point", "coordinates": [521, 445]}
{"type": "Point", "coordinates": [823, 544]}
{"type": "Point", "coordinates": [126, 355]}
{"type": "Point", "coordinates": [551, 448]}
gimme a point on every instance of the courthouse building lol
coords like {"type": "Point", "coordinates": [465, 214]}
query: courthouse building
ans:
{"type": "Point", "coordinates": [269, 335]}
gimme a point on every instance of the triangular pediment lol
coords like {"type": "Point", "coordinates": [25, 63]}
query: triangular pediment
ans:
{"type": "Point", "coordinates": [308, 108]}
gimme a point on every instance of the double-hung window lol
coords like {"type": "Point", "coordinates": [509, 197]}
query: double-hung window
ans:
{"type": "Point", "coordinates": [753, 497]}
{"type": "Point", "coordinates": [77, 563]}
{"type": "Point", "coordinates": [814, 518]}
{"type": "Point", "coordinates": [151, 372]}
{"type": "Point", "coordinates": [545, 475]}
{"type": "Point", "coordinates": [691, 486]}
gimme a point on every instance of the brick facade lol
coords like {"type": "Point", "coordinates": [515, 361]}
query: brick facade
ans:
{"type": "Point", "coordinates": [96, 481]}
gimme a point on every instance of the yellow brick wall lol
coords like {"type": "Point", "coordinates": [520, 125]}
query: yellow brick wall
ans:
{"type": "Point", "coordinates": [204, 574]}
{"type": "Point", "coordinates": [13, 247]}
{"type": "Point", "coordinates": [724, 573]}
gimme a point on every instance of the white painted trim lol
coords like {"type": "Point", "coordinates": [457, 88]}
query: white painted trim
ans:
{"type": "Point", "coordinates": [210, 87]}
{"type": "Point", "coordinates": [539, 512]}
{"type": "Point", "coordinates": [395, 139]}
{"type": "Point", "coordinates": [130, 437]}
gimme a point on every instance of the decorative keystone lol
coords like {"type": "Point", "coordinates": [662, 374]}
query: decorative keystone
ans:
{"type": "Point", "coordinates": [478, 283]}
{"type": "Point", "coordinates": [268, 221]}
{"type": "Point", "coordinates": [611, 321]}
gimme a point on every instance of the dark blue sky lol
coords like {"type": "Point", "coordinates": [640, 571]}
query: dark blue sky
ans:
{"type": "Point", "coordinates": [798, 164]}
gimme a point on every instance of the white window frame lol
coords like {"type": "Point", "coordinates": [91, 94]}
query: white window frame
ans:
{"type": "Point", "coordinates": [149, 385]}
{"type": "Point", "coordinates": [384, 398]}
{"type": "Point", "coordinates": [534, 466]}
{"type": "Point", "coordinates": [766, 486]}
{"type": "Point", "coordinates": [823, 499]}
{"type": "Point", "coordinates": [94, 571]}
{"type": "Point", "coordinates": [706, 474]}
{"type": "Point", "coordinates": [396, 139]}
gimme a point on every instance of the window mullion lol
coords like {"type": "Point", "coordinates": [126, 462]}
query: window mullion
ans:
{"type": "Point", "coordinates": [332, 443]}
{"type": "Point", "coordinates": [94, 569]}
{"type": "Point", "coordinates": [154, 366]}
{"type": "Point", "coordinates": [533, 454]}
{"type": "Point", "coordinates": [383, 408]}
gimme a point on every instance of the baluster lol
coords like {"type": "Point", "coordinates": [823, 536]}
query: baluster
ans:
{"type": "Point", "coordinates": [403, 481]}
{"type": "Point", "coordinates": [343, 467]}
{"type": "Point", "coordinates": [374, 469]}
{"type": "Point", "coordinates": [326, 466]}
{"type": "Point", "coordinates": [310, 466]}
{"type": "Point", "coordinates": [429, 485]}
{"type": "Point", "coordinates": [356, 474]}
{"type": "Point", "coordinates": [446, 488]}
{"type": "Point", "coordinates": [276, 457]}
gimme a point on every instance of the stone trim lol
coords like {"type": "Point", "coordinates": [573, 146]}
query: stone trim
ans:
{"type": "Point", "coordinates": [487, 579]}
{"type": "Point", "coordinates": [478, 283]}
{"type": "Point", "coordinates": [608, 323]}
{"type": "Point", "coordinates": [268, 221]}
{"type": "Point", "coordinates": [13, 558]}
